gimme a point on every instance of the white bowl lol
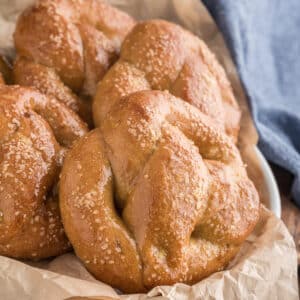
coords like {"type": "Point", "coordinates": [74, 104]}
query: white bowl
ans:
{"type": "Point", "coordinates": [271, 185]}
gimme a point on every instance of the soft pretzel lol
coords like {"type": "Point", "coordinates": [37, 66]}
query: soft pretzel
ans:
{"type": "Point", "coordinates": [160, 55]}
{"type": "Point", "coordinates": [183, 201]}
{"type": "Point", "coordinates": [34, 133]}
{"type": "Point", "coordinates": [64, 47]}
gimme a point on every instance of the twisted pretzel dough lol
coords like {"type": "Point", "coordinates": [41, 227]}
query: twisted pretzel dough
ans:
{"type": "Point", "coordinates": [64, 47]}
{"type": "Point", "coordinates": [183, 201]}
{"type": "Point", "coordinates": [34, 130]}
{"type": "Point", "coordinates": [160, 55]}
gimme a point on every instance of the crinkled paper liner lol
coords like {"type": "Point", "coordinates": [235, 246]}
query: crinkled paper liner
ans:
{"type": "Point", "coordinates": [266, 266]}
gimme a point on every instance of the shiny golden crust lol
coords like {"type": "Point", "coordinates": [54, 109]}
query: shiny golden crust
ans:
{"type": "Point", "coordinates": [34, 131]}
{"type": "Point", "coordinates": [159, 55]}
{"type": "Point", "coordinates": [184, 199]}
{"type": "Point", "coordinates": [69, 45]}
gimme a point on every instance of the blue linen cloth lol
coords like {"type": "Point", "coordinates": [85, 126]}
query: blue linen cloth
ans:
{"type": "Point", "coordinates": [264, 39]}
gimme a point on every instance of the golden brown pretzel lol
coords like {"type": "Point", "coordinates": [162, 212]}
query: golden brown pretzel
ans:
{"type": "Point", "coordinates": [163, 56]}
{"type": "Point", "coordinates": [184, 199]}
{"type": "Point", "coordinates": [34, 131]}
{"type": "Point", "coordinates": [64, 47]}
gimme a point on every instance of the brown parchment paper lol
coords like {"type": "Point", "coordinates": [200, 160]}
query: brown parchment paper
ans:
{"type": "Point", "coordinates": [266, 266]}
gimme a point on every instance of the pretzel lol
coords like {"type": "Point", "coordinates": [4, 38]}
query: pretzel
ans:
{"type": "Point", "coordinates": [158, 55]}
{"type": "Point", "coordinates": [183, 202]}
{"type": "Point", "coordinates": [35, 132]}
{"type": "Point", "coordinates": [64, 47]}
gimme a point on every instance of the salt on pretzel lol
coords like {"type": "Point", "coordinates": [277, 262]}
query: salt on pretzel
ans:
{"type": "Point", "coordinates": [158, 55]}
{"type": "Point", "coordinates": [64, 47]}
{"type": "Point", "coordinates": [35, 132]}
{"type": "Point", "coordinates": [156, 195]}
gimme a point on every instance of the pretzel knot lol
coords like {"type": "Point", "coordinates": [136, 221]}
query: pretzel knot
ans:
{"type": "Point", "coordinates": [158, 55]}
{"type": "Point", "coordinates": [34, 131]}
{"type": "Point", "coordinates": [65, 47]}
{"type": "Point", "coordinates": [156, 195]}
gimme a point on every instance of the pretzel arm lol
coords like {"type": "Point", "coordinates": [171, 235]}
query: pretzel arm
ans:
{"type": "Point", "coordinates": [96, 231]}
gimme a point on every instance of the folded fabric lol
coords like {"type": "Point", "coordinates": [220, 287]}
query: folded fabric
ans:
{"type": "Point", "coordinates": [263, 37]}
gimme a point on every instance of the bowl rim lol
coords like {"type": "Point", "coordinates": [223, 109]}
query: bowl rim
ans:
{"type": "Point", "coordinates": [271, 185]}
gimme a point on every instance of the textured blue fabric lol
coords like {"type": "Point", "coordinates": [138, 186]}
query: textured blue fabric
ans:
{"type": "Point", "coordinates": [264, 39]}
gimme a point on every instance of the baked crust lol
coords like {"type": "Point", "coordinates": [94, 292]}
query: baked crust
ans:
{"type": "Point", "coordinates": [64, 48]}
{"type": "Point", "coordinates": [157, 195]}
{"type": "Point", "coordinates": [158, 55]}
{"type": "Point", "coordinates": [35, 132]}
